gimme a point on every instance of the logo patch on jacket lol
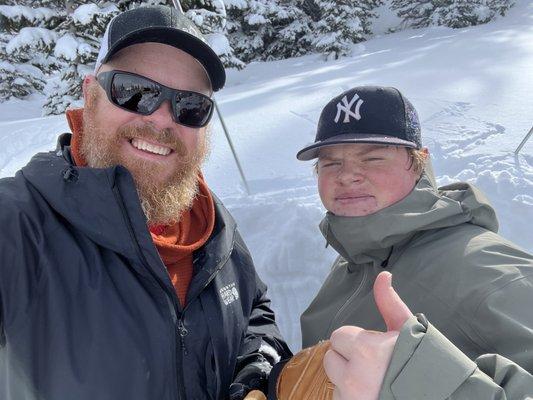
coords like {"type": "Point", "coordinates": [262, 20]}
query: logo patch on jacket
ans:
{"type": "Point", "coordinates": [229, 294]}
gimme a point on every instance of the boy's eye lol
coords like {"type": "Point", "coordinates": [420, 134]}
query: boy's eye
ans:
{"type": "Point", "coordinates": [330, 164]}
{"type": "Point", "coordinates": [373, 159]}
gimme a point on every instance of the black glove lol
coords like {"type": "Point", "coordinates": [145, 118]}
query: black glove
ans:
{"type": "Point", "coordinates": [253, 376]}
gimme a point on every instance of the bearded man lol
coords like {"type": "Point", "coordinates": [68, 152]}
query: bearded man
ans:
{"type": "Point", "coordinates": [122, 276]}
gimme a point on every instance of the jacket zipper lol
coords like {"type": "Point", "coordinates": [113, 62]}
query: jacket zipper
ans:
{"type": "Point", "coordinates": [352, 296]}
{"type": "Point", "coordinates": [182, 331]}
{"type": "Point", "coordinates": [177, 365]}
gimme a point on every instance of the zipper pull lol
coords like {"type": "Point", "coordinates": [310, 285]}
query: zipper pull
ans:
{"type": "Point", "coordinates": [182, 331]}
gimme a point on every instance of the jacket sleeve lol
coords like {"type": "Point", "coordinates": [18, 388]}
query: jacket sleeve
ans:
{"type": "Point", "coordinates": [262, 345]}
{"type": "Point", "coordinates": [426, 365]}
{"type": "Point", "coordinates": [503, 321]}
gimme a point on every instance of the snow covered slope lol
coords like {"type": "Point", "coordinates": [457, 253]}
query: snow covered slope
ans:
{"type": "Point", "coordinates": [473, 89]}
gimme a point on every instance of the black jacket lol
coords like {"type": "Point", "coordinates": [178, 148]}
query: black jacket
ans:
{"type": "Point", "coordinates": [87, 309]}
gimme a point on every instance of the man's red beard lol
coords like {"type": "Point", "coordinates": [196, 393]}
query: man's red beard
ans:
{"type": "Point", "coordinates": [163, 202]}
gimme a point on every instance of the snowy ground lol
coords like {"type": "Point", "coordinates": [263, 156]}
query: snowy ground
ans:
{"type": "Point", "coordinates": [473, 90]}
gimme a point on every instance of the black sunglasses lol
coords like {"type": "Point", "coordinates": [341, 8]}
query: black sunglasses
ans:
{"type": "Point", "coordinates": [141, 95]}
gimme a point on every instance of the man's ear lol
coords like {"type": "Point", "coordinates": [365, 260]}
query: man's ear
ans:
{"type": "Point", "coordinates": [425, 150]}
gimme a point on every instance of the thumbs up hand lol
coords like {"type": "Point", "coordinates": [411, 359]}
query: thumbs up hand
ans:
{"type": "Point", "coordinates": [358, 359]}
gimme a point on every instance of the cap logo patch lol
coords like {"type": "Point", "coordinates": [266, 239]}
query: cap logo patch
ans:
{"type": "Point", "coordinates": [345, 106]}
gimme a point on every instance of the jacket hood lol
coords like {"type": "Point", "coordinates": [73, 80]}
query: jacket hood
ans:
{"type": "Point", "coordinates": [75, 193]}
{"type": "Point", "coordinates": [372, 237]}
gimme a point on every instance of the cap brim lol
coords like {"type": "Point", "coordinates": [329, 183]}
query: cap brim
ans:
{"type": "Point", "coordinates": [181, 40]}
{"type": "Point", "coordinates": [310, 152]}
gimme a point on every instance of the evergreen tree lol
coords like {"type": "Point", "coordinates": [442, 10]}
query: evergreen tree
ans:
{"type": "Point", "coordinates": [457, 14]}
{"type": "Point", "coordinates": [211, 18]}
{"type": "Point", "coordinates": [463, 13]}
{"type": "Point", "coordinates": [27, 40]}
{"type": "Point", "coordinates": [248, 24]}
{"type": "Point", "coordinates": [294, 31]}
{"type": "Point", "coordinates": [343, 23]}
{"type": "Point", "coordinates": [450, 13]}
{"type": "Point", "coordinates": [77, 47]}
{"type": "Point", "coordinates": [268, 29]}
{"type": "Point", "coordinates": [415, 13]}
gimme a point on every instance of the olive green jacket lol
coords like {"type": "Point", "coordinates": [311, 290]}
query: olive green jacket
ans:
{"type": "Point", "coordinates": [447, 262]}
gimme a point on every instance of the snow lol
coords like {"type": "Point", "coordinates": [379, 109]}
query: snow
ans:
{"type": "Point", "coordinates": [31, 14]}
{"type": "Point", "coordinates": [256, 19]}
{"type": "Point", "coordinates": [85, 13]}
{"type": "Point", "coordinates": [28, 36]}
{"type": "Point", "coordinates": [219, 43]}
{"type": "Point", "coordinates": [238, 4]}
{"type": "Point", "coordinates": [472, 88]}
{"type": "Point", "coordinates": [219, 7]}
{"type": "Point", "coordinates": [66, 47]}
{"type": "Point", "coordinates": [386, 18]}
{"type": "Point", "coordinates": [25, 68]}
{"type": "Point", "coordinates": [483, 12]}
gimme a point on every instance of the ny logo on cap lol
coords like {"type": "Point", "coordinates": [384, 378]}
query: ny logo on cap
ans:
{"type": "Point", "coordinates": [344, 106]}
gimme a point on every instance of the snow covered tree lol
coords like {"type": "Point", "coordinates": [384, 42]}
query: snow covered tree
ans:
{"type": "Point", "coordinates": [211, 18]}
{"type": "Point", "coordinates": [247, 25]}
{"type": "Point", "coordinates": [415, 13]}
{"type": "Point", "coordinates": [294, 31]}
{"type": "Point", "coordinates": [77, 47]}
{"type": "Point", "coordinates": [17, 80]}
{"type": "Point", "coordinates": [450, 13]}
{"type": "Point", "coordinates": [463, 13]}
{"type": "Point", "coordinates": [27, 40]}
{"type": "Point", "coordinates": [343, 23]}
{"type": "Point", "coordinates": [268, 29]}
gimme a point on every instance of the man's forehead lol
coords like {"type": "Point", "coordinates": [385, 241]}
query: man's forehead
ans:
{"type": "Point", "coordinates": [355, 149]}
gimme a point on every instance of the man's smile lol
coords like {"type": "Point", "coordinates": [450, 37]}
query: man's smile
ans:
{"type": "Point", "coordinates": [150, 147]}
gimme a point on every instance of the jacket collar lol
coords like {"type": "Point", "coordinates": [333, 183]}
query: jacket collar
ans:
{"type": "Point", "coordinates": [104, 205]}
{"type": "Point", "coordinates": [373, 237]}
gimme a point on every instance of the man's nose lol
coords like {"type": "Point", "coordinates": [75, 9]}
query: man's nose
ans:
{"type": "Point", "coordinates": [161, 118]}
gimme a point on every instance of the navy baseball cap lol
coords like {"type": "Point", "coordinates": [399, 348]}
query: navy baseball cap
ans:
{"type": "Point", "coordinates": [165, 25]}
{"type": "Point", "coordinates": [366, 114]}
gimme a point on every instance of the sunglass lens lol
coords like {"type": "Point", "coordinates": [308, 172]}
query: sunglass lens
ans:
{"type": "Point", "coordinates": [135, 94]}
{"type": "Point", "coordinates": [193, 109]}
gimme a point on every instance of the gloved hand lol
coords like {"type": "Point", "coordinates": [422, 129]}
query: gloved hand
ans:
{"type": "Point", "coordinates": [253, 377]}
{"type": "Point", "coordinates": [304, 377]}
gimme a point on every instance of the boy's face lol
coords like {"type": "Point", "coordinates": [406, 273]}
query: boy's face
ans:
{"type": "Point", "coordinates": [360, 179]}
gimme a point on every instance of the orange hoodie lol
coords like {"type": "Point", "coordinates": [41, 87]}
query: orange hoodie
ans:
{"type": "Point", "coordinates": [175, 243]}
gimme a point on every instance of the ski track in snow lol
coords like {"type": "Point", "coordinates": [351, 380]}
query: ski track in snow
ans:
{"type": "Point", "coordinates": [473, 117]}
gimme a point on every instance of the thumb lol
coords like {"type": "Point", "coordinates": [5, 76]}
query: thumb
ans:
{"type": "Point", "coordinates": [391, 307]}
